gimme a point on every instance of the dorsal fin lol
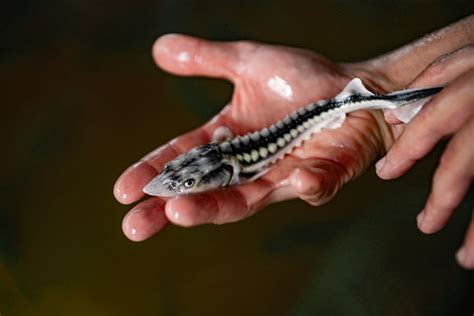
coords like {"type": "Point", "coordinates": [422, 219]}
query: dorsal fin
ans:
{"type": "Point", "coordinates": [355, 86]}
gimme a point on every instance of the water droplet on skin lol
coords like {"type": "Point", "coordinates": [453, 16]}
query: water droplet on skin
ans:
{"type": "Point", "coordinates": [280, 87]}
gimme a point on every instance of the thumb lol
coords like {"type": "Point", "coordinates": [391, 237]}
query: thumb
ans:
{"type": "Point", "coordinates": [191, 56]}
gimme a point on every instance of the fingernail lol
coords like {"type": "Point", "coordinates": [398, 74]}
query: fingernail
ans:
{"type": "Point", "coordinates": [380, 165]}
{"type": "Point", "coordinates": [420, 217]}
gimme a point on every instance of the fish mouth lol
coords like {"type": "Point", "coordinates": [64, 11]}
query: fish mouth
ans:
{"type": "Point", "coordinates": [156, 188]}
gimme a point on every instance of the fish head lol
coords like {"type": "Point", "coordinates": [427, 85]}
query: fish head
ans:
{"type": "Point", "coordinates": [203, 168]}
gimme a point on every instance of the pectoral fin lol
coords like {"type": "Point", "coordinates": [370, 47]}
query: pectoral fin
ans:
{"type": "Point", "coordinates": [354, 87]}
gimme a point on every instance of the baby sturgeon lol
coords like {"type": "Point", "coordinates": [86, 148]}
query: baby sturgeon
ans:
{"type": "Point", "coordinates": [247, 157]}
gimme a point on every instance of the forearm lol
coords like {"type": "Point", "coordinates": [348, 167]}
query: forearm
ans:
{"type": "Point", "coordinates": [396, 69]}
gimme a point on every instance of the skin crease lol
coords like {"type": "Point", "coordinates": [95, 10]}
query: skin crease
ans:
{"type": "Point", "coordinates": [318, 169]}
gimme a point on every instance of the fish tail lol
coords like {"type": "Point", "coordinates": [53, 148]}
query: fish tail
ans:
{"type": "Point", "coordinates": [409, 102]}
{"type": "Point", "coordinates": [411, 95]}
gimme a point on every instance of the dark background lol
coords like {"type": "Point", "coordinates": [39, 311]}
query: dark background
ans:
{"type": "Point", "coordinates": [81, 100]}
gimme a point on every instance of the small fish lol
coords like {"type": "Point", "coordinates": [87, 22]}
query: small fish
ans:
{"type": "Point", "coordinates": [246, 158]}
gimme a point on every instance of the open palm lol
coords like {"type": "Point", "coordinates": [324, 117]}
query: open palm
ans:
{"type": "Point", "coordinates": [270, 82]}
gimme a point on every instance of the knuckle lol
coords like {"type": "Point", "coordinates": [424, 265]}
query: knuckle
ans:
{"type": "Point", "coordinates": [437, 66]}
{"type": "Point", "coordinates": [440, 65]}
{"type": "Point", "coordinates": [314, 188]}
{"type": "Point", "coordinates": [441, 58]}
{"type": "Point", "coordinates": [441, 201]}
{"type": "Point", "coordinates": [416, 151]}
{"type": "Point", "coordinates": [435, 121]}
{"type": "Point", "coordinates": [398, 150]}
{"type": "Point", "coordinates": [436, 206]}
{"type": "Point", "coordinates": [451, 125]}
{"type": "Point", "coordinates": [441, 62]}
{"type": "Point", "coordinates": [451, 156]}
{"type": "Point", "coordinates": [445, 162]}
{"type": "Point", "coordinates": [463, 52]}
{"type": "Point", "coordinates": [428, 118]}
{"type": "Point", "coordinates": [438, 118]}
{"type": "Point", "coordinates": [444, 202]}
{"type": "Point", "coordinates": [406, 149]}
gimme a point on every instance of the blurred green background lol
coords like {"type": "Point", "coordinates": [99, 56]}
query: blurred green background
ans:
{"type": "Point", "coordinates": [81, 100]}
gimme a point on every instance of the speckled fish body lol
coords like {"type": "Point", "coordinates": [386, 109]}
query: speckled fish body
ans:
{"type": "Point", "coordinates": [247, 157]}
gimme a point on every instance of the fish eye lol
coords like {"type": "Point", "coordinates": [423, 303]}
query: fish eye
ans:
{"type": "Point", "coordinates": [189, 183]}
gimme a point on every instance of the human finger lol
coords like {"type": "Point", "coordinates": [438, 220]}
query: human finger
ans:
{"type": "Point", "coordinates": [451, 181]}
{"type": "Point", "coordinates": [465, 254]}
{"type": "Point", "coordinates": [440, 72]}
{"type": "Point", "coordinates": [441, 116]}
{"type": "Point", "coordinates": [190, 56]}
{"type": "Point", "coordinates": [145, 219]}
{"type": "Point", "coordinates": [219, 207]}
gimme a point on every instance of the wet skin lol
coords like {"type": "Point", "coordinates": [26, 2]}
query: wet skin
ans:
{"type": "Point", "coordinates": [318, 169]}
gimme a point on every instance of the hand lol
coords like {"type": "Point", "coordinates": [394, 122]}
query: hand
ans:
{"type": "Point", "coordinates": [450, 113]}
{"type": "Point", "coordinates": [270, 82]}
